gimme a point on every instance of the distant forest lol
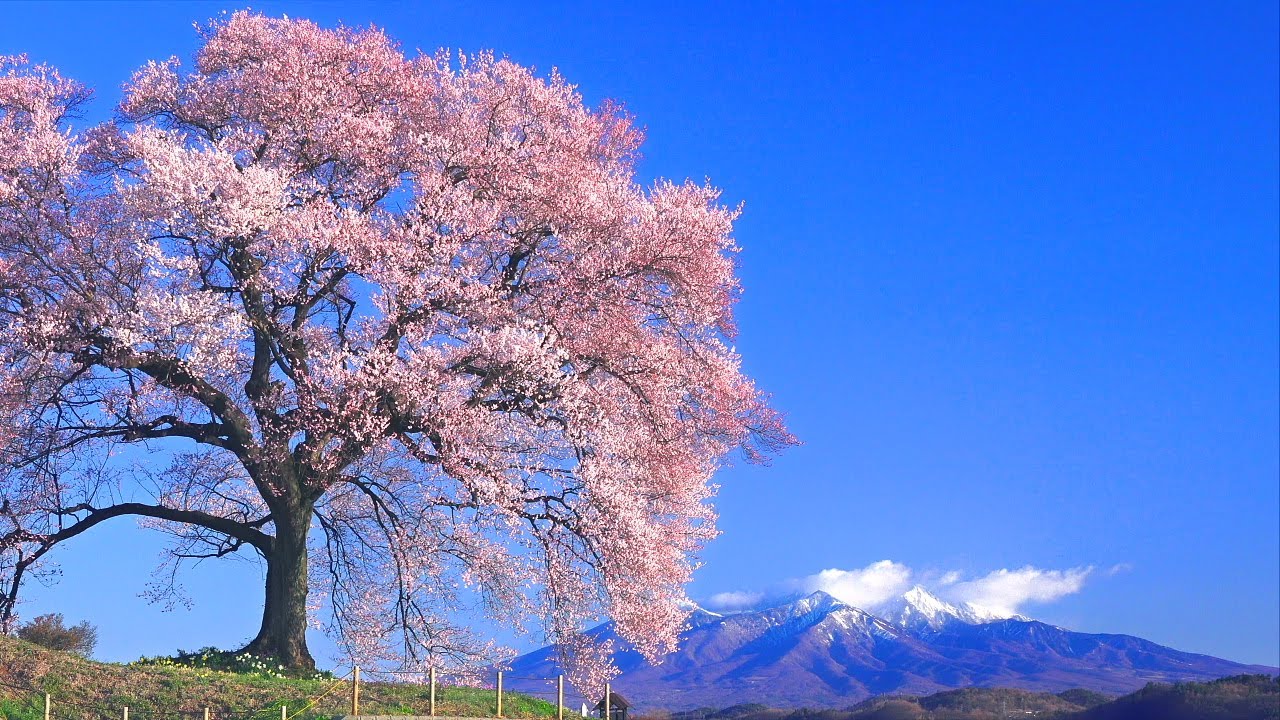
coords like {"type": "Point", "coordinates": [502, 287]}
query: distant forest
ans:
{"type": "Point", "coordinates": [1240, 697]}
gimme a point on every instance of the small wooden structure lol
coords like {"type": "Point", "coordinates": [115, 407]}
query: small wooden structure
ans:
{"type": "Point", "coordinates": [618, 707]}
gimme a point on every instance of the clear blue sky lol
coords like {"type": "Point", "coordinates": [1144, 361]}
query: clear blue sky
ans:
{"type": "Point", "coordinates": [1011, 270]}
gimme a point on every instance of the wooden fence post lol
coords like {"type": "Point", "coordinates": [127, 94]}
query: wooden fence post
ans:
{"type": "Point", "coordinates": [499, 693]}
{"type": "Point", "coordinates": [126, 712]}
{"type": "Point", "coordinates": [433, 691]}
{"type": "Point", "coordinates": [355, 691]}
{"type": "Point", "coordinates": [559, 697]}
{"type": "Point", "coordinates": [206, 714]}
{"type": "Point", "coordinates": [284, 713]}
{"type": "Point", "coordinates": [46, 706]}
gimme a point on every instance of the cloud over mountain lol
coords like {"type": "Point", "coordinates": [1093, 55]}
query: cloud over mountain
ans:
{"type": "Point", "coordinates": [735, 601]}
{"type": "Point", "coordinates": [1000, 593]}
{"type": "Point", "coordinates": [1004, 591]}
{"type": "Point", "coordinates": [867, 587]}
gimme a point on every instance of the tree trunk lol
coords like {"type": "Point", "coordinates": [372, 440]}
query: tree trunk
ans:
{"type": "Point", "coordinates": [284, 614]}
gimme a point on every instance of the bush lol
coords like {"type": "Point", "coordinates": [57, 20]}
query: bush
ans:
{"type": "Point", "coordinates": [49, 631]}
{"type": "Point", "coordinates": [211, 658]}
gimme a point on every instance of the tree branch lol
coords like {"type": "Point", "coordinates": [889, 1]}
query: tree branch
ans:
{"type": "Point", "coordinates": [243, 531]}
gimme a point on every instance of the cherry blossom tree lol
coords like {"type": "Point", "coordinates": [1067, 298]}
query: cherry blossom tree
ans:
{"type": "Point", "coordinates": [408, 329]}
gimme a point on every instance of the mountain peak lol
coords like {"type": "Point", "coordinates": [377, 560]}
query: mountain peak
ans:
{"type": "Point", "coordinates": [919, 609]}
{"type": "Point", "coordinates": [696, 609]}
{"type": "Point", "coordinates": [821, 597]}
{"type": "Point", "coordinates": [815, 602]}
{"type": "Point", "coordinates": [923, 599]}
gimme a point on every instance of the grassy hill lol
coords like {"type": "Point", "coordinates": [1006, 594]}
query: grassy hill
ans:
{"type": "Point", "coordinates": [84, 689]}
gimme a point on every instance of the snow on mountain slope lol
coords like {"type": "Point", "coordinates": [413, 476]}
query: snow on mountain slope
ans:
{"type": "Point", "coordinates": [977, 614]}
{"type": "Point", "coordinates": [918, 610]}
{"type": "Point", "coordinates": [817, 651]}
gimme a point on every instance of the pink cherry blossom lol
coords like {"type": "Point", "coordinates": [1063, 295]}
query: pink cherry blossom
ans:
{"type": "Point", "coordinates": [407, 327]}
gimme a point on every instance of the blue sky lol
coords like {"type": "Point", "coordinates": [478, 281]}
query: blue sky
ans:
{"type": "Point", "coordinates": [1012, 271]}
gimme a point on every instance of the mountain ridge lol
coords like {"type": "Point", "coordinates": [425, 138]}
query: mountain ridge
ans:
{"type": "Point", "coordinates": [818, 651]}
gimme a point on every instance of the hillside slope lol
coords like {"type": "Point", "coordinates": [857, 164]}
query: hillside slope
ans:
{"type": "Point", "coordinates": [86, 689]}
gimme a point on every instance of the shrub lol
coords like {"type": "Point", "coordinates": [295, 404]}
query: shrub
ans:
{"type": "Point", "coordinates": [49, 631]}
{"type": "Point", "coordinates": [211, 658]}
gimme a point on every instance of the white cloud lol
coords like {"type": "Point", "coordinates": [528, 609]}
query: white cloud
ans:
{"type": "Point", "coordinates": [1119, 569]}
{"type": "Point", "coordinates": [950, 578]}
{"type": "Point", "coordinates": [1005, 591]}
{"type": "Point", "coordinates": [1002, 592]}
{"type": "Point", "coordinates": [865, 588]}
{"type": "Point", "coordinates": [734, 601]}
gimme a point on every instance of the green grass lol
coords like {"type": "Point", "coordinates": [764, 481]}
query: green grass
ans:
{"type": "Point", "coordinates": [157, 690]}
{"type": "Point", "coordinates": [28, 709]}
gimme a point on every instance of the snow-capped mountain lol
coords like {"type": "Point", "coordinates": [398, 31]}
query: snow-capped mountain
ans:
{"type": "Point", "coordinates": [817, 651]}
{"type": "Point", "coordinates": [918, 610]}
